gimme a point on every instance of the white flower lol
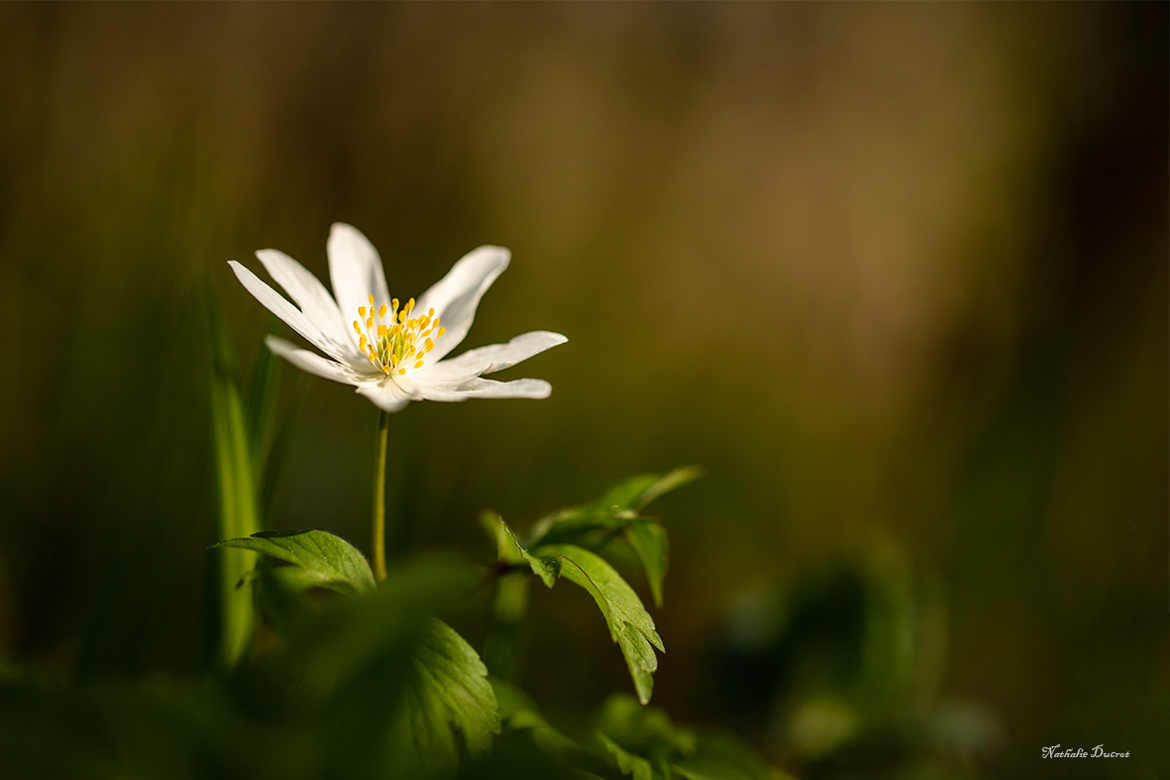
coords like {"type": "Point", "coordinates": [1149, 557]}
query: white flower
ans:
{"type": "Point", "coordinates": [393, 354]}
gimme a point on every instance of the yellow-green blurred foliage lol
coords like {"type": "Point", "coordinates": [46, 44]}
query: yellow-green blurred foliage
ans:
{"type": "Point", "coordinates": [894, 275]}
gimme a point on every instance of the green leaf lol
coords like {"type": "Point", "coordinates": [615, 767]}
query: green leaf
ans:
{"type": "Point", "coordinates": [630, 625]}
{"type": "Point", "coordinates": [394, 691]}
{"type": "Point", "coordinates": [609, 523]}
{"type": "Point", "coordinates": [325, 560]}
{"type": "Point", "coordinates": [448, 707]}
{"type": "Point", "coordinates": [238, 511]}
{"type": "Point", "coordinates": [649, 542]}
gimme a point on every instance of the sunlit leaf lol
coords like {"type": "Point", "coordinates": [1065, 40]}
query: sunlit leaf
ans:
{"type": "Point", "coordinates": [326, 561]}
{"type": "Point", "coordinates": [608, 524]}
{"type": "Point", "coordinates": [447, 706]}
{"type": "Point", "coordinates": [630, 625]}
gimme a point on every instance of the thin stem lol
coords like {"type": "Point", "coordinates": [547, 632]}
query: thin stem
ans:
{"type": "Point", "coordinates": [380, 498]}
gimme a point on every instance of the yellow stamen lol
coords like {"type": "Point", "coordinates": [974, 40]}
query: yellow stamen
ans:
{"type": "Point", "coordinates": [402, 370]}
{"type": "Point", "coordinates": [382, 311]}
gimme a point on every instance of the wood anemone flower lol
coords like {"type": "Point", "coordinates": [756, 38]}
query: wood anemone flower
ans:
{"type": "Point", "coordinates": [393, 354]}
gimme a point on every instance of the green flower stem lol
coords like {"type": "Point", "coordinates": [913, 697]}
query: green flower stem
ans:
{"type": "Point", "coordinates": [380, 499]}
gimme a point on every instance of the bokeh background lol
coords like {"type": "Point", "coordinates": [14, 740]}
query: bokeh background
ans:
{"type": "Point", "coordinates": [893, 275]}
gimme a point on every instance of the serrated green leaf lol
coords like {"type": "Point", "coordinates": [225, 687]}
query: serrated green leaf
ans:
{"type": "Point", "coordinates": [395, 692]}
{"type": "Point", "coordinates": [448, 708]}
{"type": "Point", "coordinates": [649, 541]}
{"type": "Point", "coordinates": [630, 625]}
{"type": "Point", "coordinates": [612, 521]}
{"type": "Point", "coordinates": [327, 561]}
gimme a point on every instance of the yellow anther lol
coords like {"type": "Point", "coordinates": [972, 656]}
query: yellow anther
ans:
{"type": "Point", "coordinates": [419, 364]}
{"type": "Point", "coordinates": [402, 371]}
{"type": "Point", "coordinates": [369, 322]}
{"type": "Point", "coordinates": [386, 369]}
{"type": "Point", "coordinates": [431, 312]}
{"type": "Point", "coordinates": [371, 299]}
{"type": "Point", "coordinates": [357, 328]}
{"type": "Point", "coordinates": [430, 345]}
{"type": "Point", "coordinates": [362, 312]}
{"type": "Point", "coordinates": [410, 306]}
{"type": "Point", "coordinates": [381, 331]}
{"type": "Point", "coordinates": [394, 304]}
{"type": "Point", "coordinates": [441, 332]}
{"type": "Point", "coordinates": [382, 311]}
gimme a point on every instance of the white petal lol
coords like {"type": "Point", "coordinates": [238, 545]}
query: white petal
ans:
{"type": "Point", "coordinates": [275, 303]}
{"type": "Point", "coordinates": [355, 270]}
{"type": "Point", "coordinates": [455, 296]}
{"type": "Point", "coordinates": [496, 357]}
{"type": "Point", "coordinates": [313, 363]}
{"type": "Point", "coordinates": [386, 395]}
{"type": "Point", "coordinates": [314, 300]}
{"type": "Point", "coordinates": [488, 388]}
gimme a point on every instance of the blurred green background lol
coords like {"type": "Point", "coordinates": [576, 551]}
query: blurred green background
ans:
{"type": "Point", "coordinates": [894, 275]}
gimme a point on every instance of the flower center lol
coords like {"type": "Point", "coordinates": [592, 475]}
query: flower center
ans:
{"type": "Point", "coordinates": [392, 339]}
